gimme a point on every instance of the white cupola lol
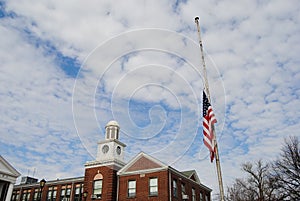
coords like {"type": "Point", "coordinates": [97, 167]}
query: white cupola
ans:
{"type": "Point", "coordinates": [112, 129]}
{"type": "Point", "coordinates": [110, 151]}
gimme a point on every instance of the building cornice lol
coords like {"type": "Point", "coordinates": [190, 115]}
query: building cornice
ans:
{"type": "Point", "coordinates": [52, 182]}
{"type": "Point", "coordinates": [145, 171]}
{"type": "Point", "coordinates": [112, 140]}
{"type": "Point", "coordinates": [112, 163]}
{"type": "Point", "coordinates": [12, 171]}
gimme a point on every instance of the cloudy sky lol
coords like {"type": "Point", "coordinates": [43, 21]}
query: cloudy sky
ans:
{"type": "Point", "coordinates": [68, 67]}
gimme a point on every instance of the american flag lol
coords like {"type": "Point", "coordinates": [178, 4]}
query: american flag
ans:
{"type": "Point", "coordinates": [208, 122]}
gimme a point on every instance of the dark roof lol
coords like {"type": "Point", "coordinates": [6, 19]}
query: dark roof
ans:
{"type": "Point", "coordinates": [188, 173]}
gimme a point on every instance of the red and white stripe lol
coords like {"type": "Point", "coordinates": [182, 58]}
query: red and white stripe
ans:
{"type": "Point", "coordinates": [208, 133]}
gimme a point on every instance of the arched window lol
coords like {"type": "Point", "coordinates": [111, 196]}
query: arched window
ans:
{"type": "Point", "coordinates": [97, 186]}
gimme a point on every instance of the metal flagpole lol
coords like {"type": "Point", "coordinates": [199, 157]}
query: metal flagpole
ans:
{"type": "Point", "coordinates": [218, 165]}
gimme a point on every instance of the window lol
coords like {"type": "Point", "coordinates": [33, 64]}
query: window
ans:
{"type": "Point", "coordinates": [78, 192]}
{"type": "Point", "coordinates": [201, 197]}
{"type": "Point", "coordinates": [175, 191]}
{"type": "Point", "coordinates": [68, 192]}
{"type": "Point", "coordinates": [97, 186]}
{"type": "Point", "coordinates": [97, 191]}
{"type": "Point", "coordinates": [36, 194]}
{"type": "Point", "coordinates": [51, 195]}
{"type": "Point", "coordinates": [206, 198]}
{"type": "Point", "coordinates": [153, 186]}
{"type": "Point", "coordinates": [183, 189]}
{"type": "Point", "coordinates": [193, 195]}
{"type": "Point", "coordinates": [62, 193]}
{"type": "Point", "coordinates": [23, 197]}
{"type": "Point", "coordinates": [131, 188]}
{"type": "Point", "coordinates": [26, 195]}
{"type": "Point", "coordinates": [65, 193]}
{"type": "Point", "coordinates": [54, 194]}
{"type": "Point", "coordinates": [15, 196]}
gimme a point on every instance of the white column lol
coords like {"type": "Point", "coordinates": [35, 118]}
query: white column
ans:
{"type": "Point", "coordinates": [9, 192]}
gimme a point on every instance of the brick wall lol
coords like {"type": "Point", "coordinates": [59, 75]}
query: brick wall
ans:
{"type": "Point", "coordinates": [109, 185]}
{"type": "Point", "coordinates": [142, 187]}
{"type": "Point", "coordinates": [57, 184]}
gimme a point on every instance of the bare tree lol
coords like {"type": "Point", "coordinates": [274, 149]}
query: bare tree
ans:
{"type": "Point", "coordinates": [257, 186]}
{"type": "Point", "coordinates": [279, 180]}
{"type": "Point", "coordinates": [238, 192]}
{"type": "Point", "coordinates": [286, 170]}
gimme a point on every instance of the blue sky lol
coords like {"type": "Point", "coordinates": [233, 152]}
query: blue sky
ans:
{"type": "Point", "coordinates": [69, 67]}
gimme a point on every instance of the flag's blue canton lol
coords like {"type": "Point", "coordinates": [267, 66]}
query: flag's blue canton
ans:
{"type": "Point", "coordinates": [206, 104]}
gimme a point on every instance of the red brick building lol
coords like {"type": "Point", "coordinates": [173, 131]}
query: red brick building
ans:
{"type": "Point", "coordinates": [109, 178]}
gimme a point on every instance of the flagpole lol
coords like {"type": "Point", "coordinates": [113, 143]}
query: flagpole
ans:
{"type": "Point", "coordinates": [218, 165]}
